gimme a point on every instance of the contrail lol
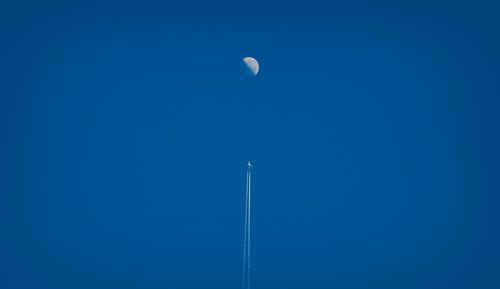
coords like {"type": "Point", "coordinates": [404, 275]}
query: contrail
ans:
{"type": "Point", "coordinates": [246, 241]}
{"type": "Point", "coordinates": [249, 224]}
{"type": "Point", "coordinates": [243, 280]}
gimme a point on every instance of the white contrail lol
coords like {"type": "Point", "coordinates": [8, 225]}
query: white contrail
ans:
{"type": "Point", "coordinates": [246, 241]}
{"type": "Point", "coordinates": [249, 224]}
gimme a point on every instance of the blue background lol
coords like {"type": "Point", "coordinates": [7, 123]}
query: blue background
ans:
{"type": "Point", "coordinates": [373, 127]}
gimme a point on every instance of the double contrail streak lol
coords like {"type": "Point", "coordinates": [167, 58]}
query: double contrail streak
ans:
{"type": "Point", "coordinates": [246, 242]}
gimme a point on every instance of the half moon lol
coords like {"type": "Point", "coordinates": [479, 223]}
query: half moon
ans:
{"type": "Point", "coordinates": [252, 65]}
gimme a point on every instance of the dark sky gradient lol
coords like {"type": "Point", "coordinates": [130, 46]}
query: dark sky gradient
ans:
{"type": "Point", "coordinates": [374, 128]}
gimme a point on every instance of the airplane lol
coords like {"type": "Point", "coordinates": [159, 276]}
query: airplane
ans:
{"type": "Point", "coordinates": [249, 165]}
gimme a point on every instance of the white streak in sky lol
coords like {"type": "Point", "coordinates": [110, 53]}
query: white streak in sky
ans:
{"type": "Point", "coordinates": [246, 241]}
{"type": "Point", "coordinates": [249, 224]}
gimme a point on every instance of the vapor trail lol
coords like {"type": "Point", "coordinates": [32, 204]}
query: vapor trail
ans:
{"type": "Point", "coordinates": [249, 225]}
{"type": "Point", "coordinates": [246, 242]}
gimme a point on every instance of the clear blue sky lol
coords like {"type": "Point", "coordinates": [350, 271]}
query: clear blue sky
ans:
{"type": "Point", "coordinates": [374, 129]}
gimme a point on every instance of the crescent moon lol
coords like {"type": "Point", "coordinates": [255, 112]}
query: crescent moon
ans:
{"type": "Point", "coordinates": [252, 65]}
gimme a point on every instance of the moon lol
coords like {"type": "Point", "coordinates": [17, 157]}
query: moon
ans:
{"type": "Point", "coordinates": [252, 65]}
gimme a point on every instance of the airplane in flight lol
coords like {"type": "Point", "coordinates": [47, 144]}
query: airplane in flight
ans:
{"type": "Point", "coordinates": [249, 165]}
